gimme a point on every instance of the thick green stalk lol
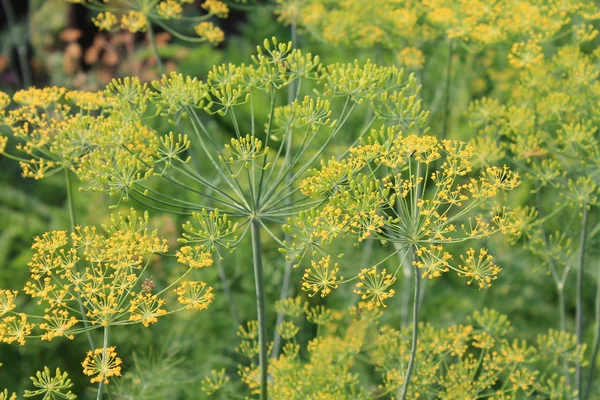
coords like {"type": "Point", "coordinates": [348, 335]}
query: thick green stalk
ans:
{"type": "Point", "coordinates": [260, 306]}
{"type": "Point", "coordinates": [104, 347]}
{"type": "Point", "coordinates": [579, 310]}
{"type": "Point", "coordinates": [154, 48]}
{"type": "Point", "coordinates": [71, 206]}
{"type": "Point", "coordinates": [596, 345]}
{"type": "Point", "coordinates": [415, 323]}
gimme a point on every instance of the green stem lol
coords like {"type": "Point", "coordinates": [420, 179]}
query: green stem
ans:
{"type": "Point", "coordinates": [579, 310]}
{"type": "Point", "coordinates": [70, 200]}
{"type": "Point", "coordinates": [260, 306]}
{"type": "Point", "coordinates": [562, 307]}
{"type": "Point", "coordinates": [415, 333]}
{"type": "Point", "coordinates": [596, 345]}
{"type": "Point", "coordinates": [71, 206]}
{"type": "Point", "coordinates": [154, 48]}
{"type": "Point", "coordinates": [287, 273]}
{"type": "Point", "coordinates": [104, 347]}
{"type": "Point", "coordinates": [19, 43]}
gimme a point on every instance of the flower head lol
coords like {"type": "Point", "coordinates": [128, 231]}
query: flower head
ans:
{"type": "Point", "coordinates": [194, 295]}
{"type": "Point", "coordinates": [102, 364]}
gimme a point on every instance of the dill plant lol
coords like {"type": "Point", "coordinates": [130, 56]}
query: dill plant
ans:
{"type": "Point", "coordinates": [412, 32]}
{"type": "Point", "coordinates": [548, 130]}
{"type": "Point", "coordinates": [254, 182]}
{"type": "Point", "coordinates": [480, 358]}
{"type": "Point", "coordinates": [413, 193]}
{"type": "Point", "coordinates": [105, 276]}
{"type": "Point", "coordinates": [140, 16]}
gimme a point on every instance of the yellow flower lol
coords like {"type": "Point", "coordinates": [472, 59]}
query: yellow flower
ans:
{"type": "Point", "coordinates": [194, 257]}
{"type": "Point", "coordinates": [102, 364]}
{"type": "Point", "coordinates": [169, 9]}
{"type": "Point", "coordinates": [7, 301]}
{"type": "Point", "coordinates": [4, 395]}
{"type": "Point", "coordinates": [58, 324]}
{"type": "Point", "coordinates": [145, 307]}
{"type": "Point", "coordinates": [134, 22]}
{"type": "Point", "coordinates": [320, 277]}
{"type": "Point", "coordinates": [3, 142]}
{"type": "Point", "coordinates": [524, 55]}
{"type": "Point", "coordinates": [105, 21]}
{"type": "Point", "coordinates": [15, 328]}
{"type": "Point", "coordinates": [434, 260]}
{"type": "Point", "coordinates": [373, 286]}
{"type": "Point", "coordinates": [411, 58]}
{"type": "Point", "coordinates": [216, 8]}
{"type": "Point", "coordinates": [480, 268]}
{"type": "Point", "coordinates": [4, 100]}
{"type": "Point", "coordinates": [211, 33]}
{"type": "Point", "coordinates": [192, 295]}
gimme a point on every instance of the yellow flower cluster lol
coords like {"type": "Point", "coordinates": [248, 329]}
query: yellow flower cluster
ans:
{"type": "Point", "coordinates": [474, 360]}
{"type": "Point", "coordinates": [137, 17]}
{"type": "Point", "coordinates": [102, 273]}
{"type": "Point", "coordinates": [409, 25]}
{"type": "Point", "coordinates": [102, 364]}
{"type": "Point", "coordinates": [427, 190]}
{"type": "Point", "coordinates": [549, 124]}
{"type": "Point", "coordinates": [321, 277]}
{"type": "Point", "coordinates": [374, 287]}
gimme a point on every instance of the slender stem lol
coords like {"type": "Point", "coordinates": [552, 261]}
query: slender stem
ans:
{"type": "Point", "coordinates": [562, 307]}
{"type": "Point", "coordinates": [154, 48]}
{"type": "Point", "coordinates": [260, 306]}
{"type": "Point", "coordinates": [19, 43]}
{"type": "Point", "coordinates": [71, 206]}
{"type": "Point", "coordinates": [579, 310]}
{"type": "Point", "coordinates": [287, 273]}
{"type": "Point", "coordinates": [70, 200]}
{"type": "Point", "coordinates": [226, 283]}
{"type": "Point", "coordinates": [415, 333]}
{"type": "Point", "coordinates": [285, 289]}
{"type": "Point", "coordinates": [104, 347]}
{"type": "Point", "coordinates": [446, 115]}
{"type": "Point", "coordinates": [596, 345]}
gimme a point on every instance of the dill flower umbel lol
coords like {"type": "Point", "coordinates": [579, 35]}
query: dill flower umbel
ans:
{"type": "Point", "coordinates": [102, 364]}
{"type": "Point", "coordinates": [194, 295]}
{"type": "Point", "coordinates": [89, 280]}
{"type": "Point", "coordinates": [373, 286]}
{"type": "Point", "coordinates": [207, 30]}
{"type": "Point", "coordinates": [321, 277]}
{"type": "Point", "coordinates": [479, 268]}
{"type": "Point", "coordinates": [411, 204]}
{"type": "Point", "coordinates": [7, 301]}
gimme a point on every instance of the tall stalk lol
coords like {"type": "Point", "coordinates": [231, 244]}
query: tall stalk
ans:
{"type": "Point", "coordinates": [71, 206]}
{"type": "Point", "coordinates": [152, 40]}
{"type": "Point", "coordinates": [104, 347]}
{"type": "Point", "coordinates": [287, 273]}
{"type": "Point", "coordinates": [596, 345]}
{"type": "Point", "coordinates": [19, 43]}
{"type": "Point", "coordinates": [415, 326]}
{"type": "Point", "coordinates": [260, 306]}
{"type": "Point", "coordinates": [579, 309]}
